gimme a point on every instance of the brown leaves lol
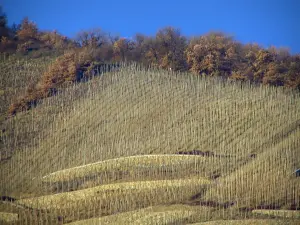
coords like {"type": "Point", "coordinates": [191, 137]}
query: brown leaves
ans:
{"type": "Point", "coordinates": [53, 40]}
{"type": "Point", "coordinates": [206, 54]}
{"type": "Point", "coordinates": [28, 30]}
{"type": "Point", "coordinates": [65, 70]}
{"type": "Point", "coordinates": [61, 71]}
{"type": "Point", "coordinates": [293, 75]}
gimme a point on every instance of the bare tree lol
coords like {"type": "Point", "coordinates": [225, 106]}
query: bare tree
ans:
{"type": "Point", "coordinates": [93, 37]}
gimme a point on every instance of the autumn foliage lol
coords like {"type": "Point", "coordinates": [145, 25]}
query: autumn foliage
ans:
{"type": "Point", "coordinates": [71, 67]}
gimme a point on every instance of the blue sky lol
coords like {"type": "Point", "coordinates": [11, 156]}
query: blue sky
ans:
{"type": "Point", "coordinates": [266, 22]}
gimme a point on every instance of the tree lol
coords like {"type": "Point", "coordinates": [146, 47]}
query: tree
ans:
{"type": "Point", "coordinates": [53, 40]}
{"type": "Point", "coordinates": [4, 31]}
{"type": "Point", "coordinates": [212, 54]}
{"type": "Point", "coordinates": [14, 29]}
{"type": "Point", "coordinates": [138, 51]}
{"type": "Point", "coordinates": [171, 45]}
{"type": "Point", "coordinates": [93, 38]}
{"type": "Point", "coordinates": [260, 66]}
{"type": "Point", "coordinates": [274, 74]}
{"type": "Point", "coordinates": [3, 18]}
{"type": "Point", "coordinates": [151, 53]}
{"type": "Point", "coordinates": [293, 74]}
{"type": "Point", "coordinates": [97, 42]}
{"type": "Point", "coordinates": [28, 30]}
{"type": "Point", "coordinates": [122, 49]}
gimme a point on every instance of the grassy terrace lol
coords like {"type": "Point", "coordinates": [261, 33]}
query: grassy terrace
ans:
{"type": "Point", "coordinates": [132, 163]}
{"type": "Point", "coordinates": [176, 188]}
{"type": "Point", "coordinates": [151, 215]}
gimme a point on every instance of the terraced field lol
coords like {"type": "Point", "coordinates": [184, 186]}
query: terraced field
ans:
{"type": "Point", "coordinates": [175, 213]}
{"type": "Point", "coordinates": [139, 146]}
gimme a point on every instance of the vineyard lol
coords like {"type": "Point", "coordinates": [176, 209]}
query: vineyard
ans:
{"type": "Point", "coordinates": [147, 146]}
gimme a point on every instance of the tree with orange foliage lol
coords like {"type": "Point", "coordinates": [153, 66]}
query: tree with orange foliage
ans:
{"type": "Point", "coordinates": [261, 63]}
{"type": "Point", "coordinates": [274, 74]}
{"type": "Point", "coordinates": [53, 40]}
{"type": "Point", "coordinates": [212, 54]}
{"type": "Point", "coordinates": [28, 30]}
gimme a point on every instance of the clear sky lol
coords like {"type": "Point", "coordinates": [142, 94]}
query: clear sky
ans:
{"type": "Point", "coordinates": [266, 22]}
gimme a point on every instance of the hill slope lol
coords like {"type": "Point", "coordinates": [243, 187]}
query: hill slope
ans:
{"type": "Point", "coordinates": [248, 137]}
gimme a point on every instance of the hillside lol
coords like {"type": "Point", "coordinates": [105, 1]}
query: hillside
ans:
{"type": "Point", "coordinates": [18, 76]}
{"type": "Point", "coordinates": [120, 142]}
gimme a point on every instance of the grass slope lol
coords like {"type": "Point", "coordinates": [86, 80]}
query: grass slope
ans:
{"type": "Point", "coordinates": [16, 74]}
